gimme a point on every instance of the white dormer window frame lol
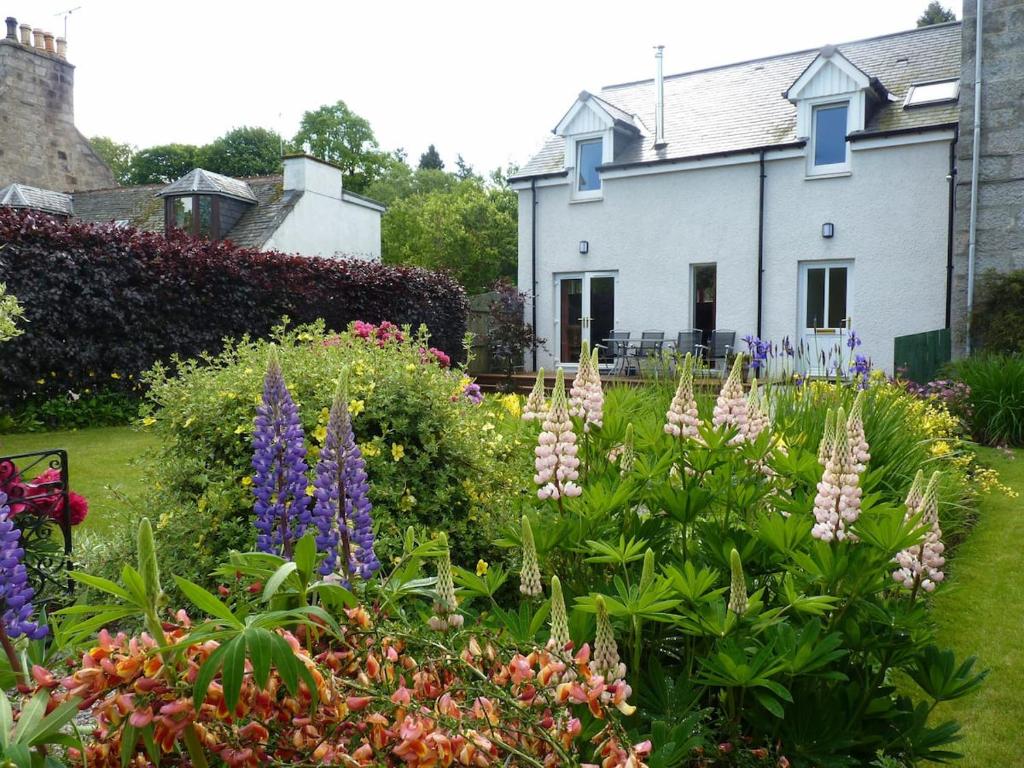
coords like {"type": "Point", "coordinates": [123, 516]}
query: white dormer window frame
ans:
{"type": "Point", "coordinates": [854, 103]}
{"type": "Point", "coordinates": [573, 149]}
{"type": "Point", "coordinates": [831, 80]}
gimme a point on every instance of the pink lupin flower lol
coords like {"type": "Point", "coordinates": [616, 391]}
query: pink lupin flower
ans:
{"type": "Point", "coordinates": [731, 406]}
{"type": "Point", "coordinates": [535, 406]}
{"type": "Point", "coordinates": [681, 418]}
{"type": "Point", "coordinates": [556, 464]}
{"type": "Point", "coordinates": [920, 566]}
{"type": "Point", "coordinates": [837, 504]}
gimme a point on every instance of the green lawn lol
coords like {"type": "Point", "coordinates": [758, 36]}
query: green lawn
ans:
{"type": "Point", "coordinates": [101, 463]}
{"type": "Point", "coordinates": [980, 612]}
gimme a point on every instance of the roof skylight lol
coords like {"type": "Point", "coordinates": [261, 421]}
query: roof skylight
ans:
{"type": "Point", "coordinates": [932, 93]}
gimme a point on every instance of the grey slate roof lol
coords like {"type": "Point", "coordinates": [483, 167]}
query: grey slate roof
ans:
{"type": "Point", "coordinates": [142, 207]}
{"type": "Point", "coordinates": [23, 196]}
{"type": "Point", "coordinates": [198, 180]}
{"type": "Point", "coordinates": [740, 106]}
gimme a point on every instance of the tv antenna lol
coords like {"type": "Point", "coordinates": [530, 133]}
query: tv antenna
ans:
{"type": "Point", "coordinates": [65, 14]}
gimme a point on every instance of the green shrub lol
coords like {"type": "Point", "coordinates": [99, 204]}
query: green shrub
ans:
{"type": "Point", "coordinates": [434, 459]}
{"type": "Point", "coordinates": [722, 602]}
{"type": "Point", "coordinates": [996, 398]}
{"type": "Point", "coordinates": [72, 411]}
{"type": "Point", "coordinates": [997, 322]}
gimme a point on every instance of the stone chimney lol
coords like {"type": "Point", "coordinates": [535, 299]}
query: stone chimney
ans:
{"type": "Point", "coordinates": [999, 231]}
{"type": "Point", "coordinates": [39, 144]}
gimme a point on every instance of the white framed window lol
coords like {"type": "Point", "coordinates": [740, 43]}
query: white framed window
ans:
{"type": "Point", "coordinates": [829, 151]}
{"type": "Point", "coordinates": [589, 156]}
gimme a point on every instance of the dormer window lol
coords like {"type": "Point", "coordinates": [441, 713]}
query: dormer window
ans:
{"type": "Point", "coordinates": [197, 215]}
{"type": "Point", "coordinates": [588, 158]}
{"type": "Point", "coordinates": [829, 137]}
{"type": "Point", "coordinates": [205, 204]}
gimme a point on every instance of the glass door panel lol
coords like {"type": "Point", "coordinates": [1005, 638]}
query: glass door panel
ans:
{"type": "Point", "coordinates": [585, 311]}
{"type": "Point", "coordinates": [570, 300]}
{"type": "Point", "coordinates": [601, 315]}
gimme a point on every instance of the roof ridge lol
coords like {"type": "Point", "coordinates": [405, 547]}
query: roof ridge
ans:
{"type": "Point", "coordinates": [915, 30]}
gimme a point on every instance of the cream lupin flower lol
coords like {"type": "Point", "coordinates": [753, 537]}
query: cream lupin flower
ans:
{"type": "Point", "coordinates": [757, 415]}
{"type": "Point", "coordinates": [559, 618]}
{"type": "Point", "coordinates": [578, 390]}
{"type": "Point", "coordinates": [593, 402]}
{"type": "Point", "coordinates": [921, 565]}
{"type": "Point", "coordinates": [529, 583]}
{"type": "Point", "coordinates": [731, 407]}
{"type": "Point", "coordinates": [858, 441]}
{"type": "Point", "coordinates": [738, 601]}
{"type": "Point", "coordinates": [445, 606]}
{"type": "Point", "coordinates": [837, 504]}
{"type": "Point", "coordinates": [828, 438]}
{"type": "Point", "coordinates": [586, 397]}
{"type": "Point", "coordinates": [556, 464]}
{"type": "Point", "coordinates": [681, 418]}
{"type": "Point", "coordinates": [916, 493]}
{"type": "Point", "coordinates": [606, 652]}
{"type": "Point", "coordinates": [536, 406]}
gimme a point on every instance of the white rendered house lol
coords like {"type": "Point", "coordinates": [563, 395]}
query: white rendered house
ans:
{"type": "Point", "coordinates": [799, 196]}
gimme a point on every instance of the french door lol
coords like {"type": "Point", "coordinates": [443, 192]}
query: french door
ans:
{"type": "Point", "coordinates": [584, 311]}
{"type": "Point", "coordinates": [826, 293]}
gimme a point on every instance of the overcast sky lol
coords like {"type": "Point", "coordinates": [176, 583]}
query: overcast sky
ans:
{"type": "Point", "coordinates": [487, 79]}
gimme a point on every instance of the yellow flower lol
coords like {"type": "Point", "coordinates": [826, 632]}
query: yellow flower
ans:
{"type": "Point", "coordinates": [115, 375]}
{"type": "Point", "coordinates": [369, 449]}
{"type": "Point", "coordinates": [512, 404]}
{"type": "Point", "coordinates": [40, 381]}
{"type": "Point", "coordinates": [247, 481]}
{"type": "Point", "coordinates": [149, 421]}
{"type": "Point", "coordinates": [397, 451]}
{"type": "Point", "coordinates": [355, 407]}
{"type": "Point", "coordinates": [940, 448]}
{"type": "Point", "coordinates": [241, 429]}
{"type": "Point", "coordinates": [320, 433]}
{"type": "Point", "coordinates": [481, 567]}
{"type": "Point", "coordinates": [310, 490]}
{"type": "Point", "coordinates": [53, 374]}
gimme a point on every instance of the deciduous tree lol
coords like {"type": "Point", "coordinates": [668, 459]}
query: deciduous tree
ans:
{"type": "Point", "coordinates": [338, 135]}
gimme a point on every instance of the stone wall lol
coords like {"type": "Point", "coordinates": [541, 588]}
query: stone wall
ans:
{"type": "Point", "coordinates": [1000, 227]}
{"type": "Point", "coordinates": [39, 144]}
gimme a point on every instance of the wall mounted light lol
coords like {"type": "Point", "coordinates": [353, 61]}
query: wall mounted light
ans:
{"type": "Point", "coordinates": [828, 229]}
{"type": "Point", "coordinates": [584, 246]}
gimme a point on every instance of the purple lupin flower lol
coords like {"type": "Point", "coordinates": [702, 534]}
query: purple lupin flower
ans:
{"type": "Point", "coordinates": [342, 508]}
{"type": "Point", "coordinates": [279, 461]}
{"type": "Point", "coordinates": [15, 593]}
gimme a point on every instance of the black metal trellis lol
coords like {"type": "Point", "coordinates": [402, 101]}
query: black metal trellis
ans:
{"type": "Point", "coordinates": [42, 510]}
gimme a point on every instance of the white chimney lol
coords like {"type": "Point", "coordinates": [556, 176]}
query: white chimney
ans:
{"type": "Point", "coordinates": [659, 95]}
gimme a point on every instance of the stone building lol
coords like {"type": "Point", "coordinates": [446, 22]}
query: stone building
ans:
{"type": "Point", "coordinates": [39, 144]}
{"type": "Point", "coordinates": [999, 232]}
{"type": "Point", "coordinates": [46, 165]}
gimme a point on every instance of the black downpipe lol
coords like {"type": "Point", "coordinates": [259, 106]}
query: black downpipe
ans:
{"type": "Point", "coordinates": [533, 260]}
{"type": "Point", "coordinates": [949, 231]}
{"type": "Point", "coordinates": [760, 242]}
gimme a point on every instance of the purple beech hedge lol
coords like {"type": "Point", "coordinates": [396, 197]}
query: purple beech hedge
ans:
{"type": "Point", "coordinates": [103, 303]}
